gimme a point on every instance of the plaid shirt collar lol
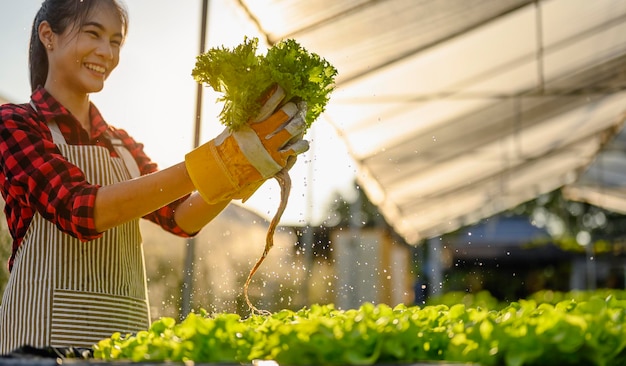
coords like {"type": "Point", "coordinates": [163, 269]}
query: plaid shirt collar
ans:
{"type": "Point", "coordinates": [50, 109]}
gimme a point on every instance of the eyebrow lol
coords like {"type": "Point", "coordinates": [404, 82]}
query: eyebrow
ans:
{"type": "Point", "coordinates": [102, 28]}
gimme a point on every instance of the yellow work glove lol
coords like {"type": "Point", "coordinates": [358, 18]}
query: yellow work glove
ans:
{"type": "Point", "coordinates": [274, 98]}
{"type": "Point", "coordinates": [236, 163]}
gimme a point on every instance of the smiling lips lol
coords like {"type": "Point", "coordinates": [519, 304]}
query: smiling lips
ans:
{"type": "Point", "coordinates": [97, 68]}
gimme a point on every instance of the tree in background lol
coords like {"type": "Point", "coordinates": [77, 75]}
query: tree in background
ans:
{"type": "Point", "coordinates": [575, 225]}
{"type": "Point", "coordinates": [344, 212]}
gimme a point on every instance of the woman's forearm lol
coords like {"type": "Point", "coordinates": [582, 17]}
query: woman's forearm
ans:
{"type": "Point", "coordinates": [128, 200]}
{"type": "Point", "coordinates": [194, 213]}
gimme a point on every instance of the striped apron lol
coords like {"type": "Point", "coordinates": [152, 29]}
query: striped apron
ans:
{"type": "Point", "coordinates": [66, 293]}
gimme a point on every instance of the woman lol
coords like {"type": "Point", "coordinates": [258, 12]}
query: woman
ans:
{"type": "Point", "coordinates": [75, 187]}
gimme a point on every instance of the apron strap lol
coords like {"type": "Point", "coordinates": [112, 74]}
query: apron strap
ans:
{"type": "Point", "coordinates": [57, 136]}
{"type": "Point", "coordinates": [122, 151]}
{"type": "Point", "coordinates": [129, 160]}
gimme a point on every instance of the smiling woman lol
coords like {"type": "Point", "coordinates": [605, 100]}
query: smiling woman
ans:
{"type": "Point", "coordinates": [88, 50]}
{"type": "Point", "coordinates": [75, 187]}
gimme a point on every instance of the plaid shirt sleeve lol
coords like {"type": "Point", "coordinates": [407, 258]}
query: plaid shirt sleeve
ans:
{"type": "Point", "coordinates": [35, 177]}
{"type": "Point", "coordinates": [164, 216]}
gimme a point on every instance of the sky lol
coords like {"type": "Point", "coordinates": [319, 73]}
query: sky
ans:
{"type": "Point", "coordinates": [152, 95]}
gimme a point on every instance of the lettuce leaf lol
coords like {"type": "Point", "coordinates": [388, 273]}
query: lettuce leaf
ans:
{"type": "Point", "coordinates": [243, 77]}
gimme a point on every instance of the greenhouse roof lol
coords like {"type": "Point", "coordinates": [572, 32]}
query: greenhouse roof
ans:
{"type": "Point", "coordinates": [457, 110]}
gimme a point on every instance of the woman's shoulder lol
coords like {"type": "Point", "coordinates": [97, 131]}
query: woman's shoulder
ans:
{"type": "Point", "coordinates": [17, 112]}
{"type": "Point", "coordinates": [17, 121]}
{"type": "Point", "coordinates": [124, 138]}
{"type": "Point", "coordinates": [146, 165]}
{"type": "Point", "coordinates": [16, 108]}
{"type": "Point", "coordinates": [120, 134]}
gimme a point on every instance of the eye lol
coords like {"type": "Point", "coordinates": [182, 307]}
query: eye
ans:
{"type": "Point", "coordinates": [92, 33]}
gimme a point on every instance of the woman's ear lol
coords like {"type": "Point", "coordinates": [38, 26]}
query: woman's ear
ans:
{"type": "Point", "coordinates": [46, 35]}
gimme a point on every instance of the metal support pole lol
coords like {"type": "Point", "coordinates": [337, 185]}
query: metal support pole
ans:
{"type": "Point", "coordinates": [591, 267]}
{"type": "Point", "coordinates": [435, 269]}
{"type": "Point", "coordinates": [308, 237]}
{"type": "Point", "coordinates": [188, 273]}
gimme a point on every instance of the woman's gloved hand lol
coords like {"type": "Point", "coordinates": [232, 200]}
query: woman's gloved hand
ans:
{"type": "Point", "coordinates": [236, 163]}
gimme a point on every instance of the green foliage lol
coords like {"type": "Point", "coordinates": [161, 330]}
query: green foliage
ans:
{"type": "Point", "coordinates": [482, 299]}
{"type": "Point", "coordinates": [527, 332]}
{"type": "Point", "coordinates": [244, 77]}
{"type": "Point", "coordinates": [554, 297]}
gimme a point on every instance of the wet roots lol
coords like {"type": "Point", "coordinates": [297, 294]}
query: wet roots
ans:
{"type": "Point", "coordinates": [284, 181]}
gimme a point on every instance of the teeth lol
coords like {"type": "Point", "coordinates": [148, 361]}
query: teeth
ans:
{"type": "Point", "coordinates": [95, 68]}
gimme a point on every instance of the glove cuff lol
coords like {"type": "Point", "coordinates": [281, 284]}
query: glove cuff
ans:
{"type": "Point", "coordinates": [247, 191]}
{"type": "Point", "coordinates": [209, 174]}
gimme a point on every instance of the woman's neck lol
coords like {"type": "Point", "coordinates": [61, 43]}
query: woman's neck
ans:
{"type": "Point", "coordinates": [76, 103]}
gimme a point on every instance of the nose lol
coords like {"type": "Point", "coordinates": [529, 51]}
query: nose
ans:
{"type": "Point", "coordinates": [105, 49]}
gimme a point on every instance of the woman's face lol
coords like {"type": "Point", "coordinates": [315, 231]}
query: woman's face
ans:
{"type": "Point", "coordinates": [81, 59]}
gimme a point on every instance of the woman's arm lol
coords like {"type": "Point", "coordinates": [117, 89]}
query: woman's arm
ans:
{"type": "Point", "coordinates": [194, 213]}
{"type": "Point", "coordinates": [124, 201]}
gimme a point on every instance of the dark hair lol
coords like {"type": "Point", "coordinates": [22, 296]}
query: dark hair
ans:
{"type": "Point", "coordinates": [61, 14]}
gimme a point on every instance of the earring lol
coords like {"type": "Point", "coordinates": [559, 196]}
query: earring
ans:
{"type": "Point", "coordinates": [49, 46]}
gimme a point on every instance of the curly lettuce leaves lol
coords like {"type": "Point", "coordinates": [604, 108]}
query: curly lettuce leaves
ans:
{"type": "Point", "coordinates": [243, 77]}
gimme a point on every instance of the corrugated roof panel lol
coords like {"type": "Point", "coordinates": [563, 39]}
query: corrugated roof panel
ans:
{"type": "Point", "coordinates": [457, 110]}
{"type": "Point", "coordinates": [558, 146]}
{"type": "Point", "coordinates": [564, 20]}
{"type": "Point", "coordinates": [585, 51]}
{"type": "Point", "coordinates": [281, 18]}
{"type": "Point", "coordinates": [455, 65]}
{"type": "Point", "coordinates": [358, 36]}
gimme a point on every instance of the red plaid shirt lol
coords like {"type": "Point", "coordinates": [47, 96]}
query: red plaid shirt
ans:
{"type": "Point", "coordinates": [35, 177]}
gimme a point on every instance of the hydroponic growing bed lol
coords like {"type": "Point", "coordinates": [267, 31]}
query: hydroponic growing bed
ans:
{"type": "Point", "coordinates": [589, 331]}
{"type": "Point", "coordinates": [560, 329]}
